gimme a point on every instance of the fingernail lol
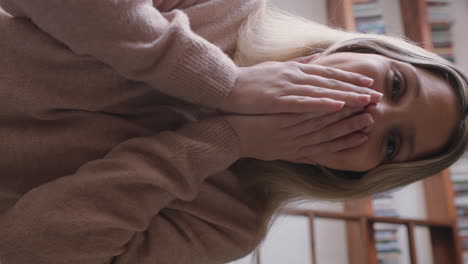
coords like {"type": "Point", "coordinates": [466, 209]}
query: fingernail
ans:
{"type": "Point", "coordinates": [367, 81]}
{"type": "Point", "coordinates": [337, 105]}
{"type": "Point", "coordinates": [365, 98]}
{"type": "Point", "coordinates": [368, 121]}
{"type": "Point", "coordinates": [376, 96]}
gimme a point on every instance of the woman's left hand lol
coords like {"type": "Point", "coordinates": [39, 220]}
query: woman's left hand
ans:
{"type": "Point", "coordinates": [298, 137]}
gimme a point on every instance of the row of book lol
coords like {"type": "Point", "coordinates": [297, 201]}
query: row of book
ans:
{"type": "Point", "coordinates": [440, 17]}
{"type": "Point", "coordinates": [386, 235]}
{"type": "Point", "coordinates": [459, 175]}
{"type": "Point", "coordinates": [368, 16]}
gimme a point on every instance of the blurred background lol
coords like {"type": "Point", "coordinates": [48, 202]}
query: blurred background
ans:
{"type": "Point", "coordinates": [424, 223]}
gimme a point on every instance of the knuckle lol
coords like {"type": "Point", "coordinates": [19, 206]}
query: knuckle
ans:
{"type": "Point", "coordinates": [288, 74]}
{"type": "Point", "coordinates": [322, 100]}
{"type": "Point", "coordinates": [320, 92]}
{"type": "Point", "coordinates": [315, 79]}
{"type": "Point", "coordinates": [349, 97]}
{"type": "Point", "coordinates": [291, 64]}
{"type": "Point", "coordinates": [332, 82]}
{"type": "Point", "coordinates": [330, 71]}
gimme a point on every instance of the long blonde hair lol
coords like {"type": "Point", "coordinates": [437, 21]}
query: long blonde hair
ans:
{"type": "Point", "coordinates": [273, 35]}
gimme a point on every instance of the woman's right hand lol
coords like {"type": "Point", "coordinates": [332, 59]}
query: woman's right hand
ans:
{"type": "Point", "coordinates": [297, 137]}
{"type": "Point", "coordinates": [295, 87]}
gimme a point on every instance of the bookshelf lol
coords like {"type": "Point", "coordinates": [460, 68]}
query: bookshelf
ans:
{"type": "Point", "coordinates": [459, 176]}
{"type": "Point", "coordinates": [423, 20]}
{"type": "Point", "coordinates": [440, 19]}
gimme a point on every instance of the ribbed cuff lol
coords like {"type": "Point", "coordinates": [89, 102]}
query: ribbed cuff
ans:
{"type": "Point", "coordinates": [217, 146]}
{"type": "Point", "coordinates": [202, 74]}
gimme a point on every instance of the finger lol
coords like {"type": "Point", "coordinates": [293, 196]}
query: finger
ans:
{"type": "Point", "coordinates": [288, 120]}
{"type": "Point", "coordinates": [306, 59]}
{"type": "Point", "coordinates": [339, 144]}
{"type": "Point", "coordinates": [350, 98]}
{"type": "Point", "coordinates": [317, 123]}
{"type": "Point", "coordinates": [334, 73]}
{"type": "Point", "coordinates": [298, 104]}
{"type": "Point", "coordinates": [336, 84]}
{"type": "Point", "coordinates": [338, 129]}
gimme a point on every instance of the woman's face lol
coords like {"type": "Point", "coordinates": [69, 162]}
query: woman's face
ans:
{"type": "Point", "coordinates": [415, 118]}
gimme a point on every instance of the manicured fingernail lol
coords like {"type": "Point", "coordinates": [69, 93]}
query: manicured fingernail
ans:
{"type": "Point", "coordinates": [376, 96]}
{"type": "Point", "coordinates": [367, 81]}
{"type": "Point", "coordinates": [367, 121]}
{"type": "Point", "coordinates": [365, 98]}
{"type": "Point", "coordinates": [337, 105]}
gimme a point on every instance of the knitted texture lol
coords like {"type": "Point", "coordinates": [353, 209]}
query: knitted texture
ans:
{"type": "Point", "coordinates": [112, 151]}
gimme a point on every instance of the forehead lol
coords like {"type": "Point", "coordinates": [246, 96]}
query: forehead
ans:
{"type": "Point", "coordinates": [435, 114]}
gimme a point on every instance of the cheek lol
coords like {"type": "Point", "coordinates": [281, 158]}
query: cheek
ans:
{"type": "Point", "coordinates": [360, 158]}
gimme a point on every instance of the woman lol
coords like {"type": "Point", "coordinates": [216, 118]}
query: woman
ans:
{"type": "Point", "coordinates": [110, 157]}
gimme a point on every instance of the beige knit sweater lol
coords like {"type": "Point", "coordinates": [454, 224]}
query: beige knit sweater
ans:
{"type": "Point", "coordinates": [101, 161]}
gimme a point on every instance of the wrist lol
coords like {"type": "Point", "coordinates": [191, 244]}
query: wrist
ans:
{"type": "Point", "coordinates": [236, 125]}
{"type": "Point", "coordinates": [232, 100]}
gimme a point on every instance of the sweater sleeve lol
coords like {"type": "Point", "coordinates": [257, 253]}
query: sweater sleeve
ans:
{"type": "Point", "coordinates": [90, 216]}
{"type": "Point", "coordinates": [136, 40]}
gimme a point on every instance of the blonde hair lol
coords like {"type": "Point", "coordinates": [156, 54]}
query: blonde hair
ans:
{"type": "Point", "coordinates": [273, 35]}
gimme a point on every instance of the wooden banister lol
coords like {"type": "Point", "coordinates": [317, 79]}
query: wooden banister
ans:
{"type": "Point", "coordinates": [412, 245]}
{"type": "Point", "coordinates": [443, 234]}
{"type": "Point", "coordinates": [312, 237]}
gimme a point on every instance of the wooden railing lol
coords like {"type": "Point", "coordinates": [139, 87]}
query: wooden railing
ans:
{"type": "Point", "coordinates": [443, 235]}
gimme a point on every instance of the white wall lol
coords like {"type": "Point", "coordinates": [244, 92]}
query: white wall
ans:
{"type": "Point", "coordinates": [410, 203]}
{"type": "Point", "coordinates": [460, 35]}
{"type": "Point", "coordinates": [312, 9]}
